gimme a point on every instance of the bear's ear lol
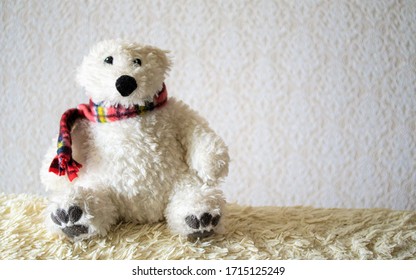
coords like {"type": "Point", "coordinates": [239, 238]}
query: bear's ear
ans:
{"type": "Point", "coordinates": [157, 56]}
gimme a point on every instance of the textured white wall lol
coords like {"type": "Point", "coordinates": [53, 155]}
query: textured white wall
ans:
{"type": "Point", "coordinates": [316, 99]}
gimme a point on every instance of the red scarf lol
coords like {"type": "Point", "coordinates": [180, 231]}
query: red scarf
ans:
{"type": "Point", "coordinates": [63, 163]}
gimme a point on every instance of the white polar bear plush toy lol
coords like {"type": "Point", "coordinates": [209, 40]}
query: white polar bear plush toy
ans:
{"type": "Point", "coordinates": [132, 153]}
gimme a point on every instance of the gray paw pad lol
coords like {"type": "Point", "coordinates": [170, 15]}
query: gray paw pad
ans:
{"type": "Point", "coordinates": [75, 230]}
{"type": "Point", "coordinates": [192, 221]}
{"type": "Point", "coordinates": [62, 218]}
{"type": "Point", "coordinates": [201, 225]}
{"type": "Point", "coordinates": [200, 234]}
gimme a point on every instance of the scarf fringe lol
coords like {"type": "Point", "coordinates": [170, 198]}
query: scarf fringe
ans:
{"type": "Point", "coordinates": [61, 166]}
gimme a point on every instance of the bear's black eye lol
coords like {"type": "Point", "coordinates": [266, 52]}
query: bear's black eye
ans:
{"type": "Point", "coordinates": [137, 61]}
{"type": "Point", "coordinates": [109, 60]}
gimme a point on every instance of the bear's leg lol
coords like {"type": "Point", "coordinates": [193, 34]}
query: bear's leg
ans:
{"type": "Point", "coordinates": [195, 210]}
{"type": "Point", "coordinates": [80, 212]}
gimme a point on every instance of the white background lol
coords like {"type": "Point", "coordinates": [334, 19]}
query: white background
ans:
{"type": "Point", "coordinates": [315, 99]}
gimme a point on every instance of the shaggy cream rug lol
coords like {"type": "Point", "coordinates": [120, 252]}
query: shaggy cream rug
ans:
{"type": "Point", "coordinates": [252, 233]}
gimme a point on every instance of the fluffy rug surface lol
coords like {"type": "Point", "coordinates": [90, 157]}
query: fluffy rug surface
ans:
{"type": "Point", "coordinates": [251, 233]}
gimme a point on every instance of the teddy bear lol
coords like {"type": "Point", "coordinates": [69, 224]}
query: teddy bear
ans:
{"type": "Point", "coordinates": [133, 154]}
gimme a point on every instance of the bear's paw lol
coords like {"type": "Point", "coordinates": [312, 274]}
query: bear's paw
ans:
{"type": "Point", "coordinates": [67, 220]}
{"type": "Point", "coordinates": [203, 226]}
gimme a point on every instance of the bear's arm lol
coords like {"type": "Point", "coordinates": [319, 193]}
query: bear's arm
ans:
{"type": "Point", "coordinates": [206, 152]}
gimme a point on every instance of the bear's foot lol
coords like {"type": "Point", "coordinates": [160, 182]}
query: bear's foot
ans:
{"type": "Point", "coordinates": [67, 220]}
{"type": "Point", "coordinates": [203, 226]}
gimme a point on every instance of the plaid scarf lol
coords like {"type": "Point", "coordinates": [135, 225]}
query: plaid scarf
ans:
{"type": "Point", "coordinates": [63, 163]}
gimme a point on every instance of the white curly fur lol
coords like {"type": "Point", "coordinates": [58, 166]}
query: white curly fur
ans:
{"type": "Point", "coordinates": [166, 163]}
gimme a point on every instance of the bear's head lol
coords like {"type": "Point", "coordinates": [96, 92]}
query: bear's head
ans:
{"type": "Point", "coordinates": [120, 72]}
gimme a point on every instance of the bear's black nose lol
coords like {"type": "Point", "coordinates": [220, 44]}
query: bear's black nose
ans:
{"type": "Point", "coordinates": [126, 85]}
